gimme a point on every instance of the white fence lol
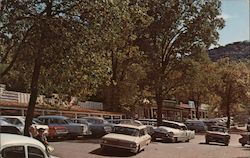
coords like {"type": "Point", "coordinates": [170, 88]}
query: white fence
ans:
{"type": "Point", "coordinates": [91, 105]}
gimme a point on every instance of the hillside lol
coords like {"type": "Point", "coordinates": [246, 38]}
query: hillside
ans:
{"type": "Point", "coordinates": [236, 50]}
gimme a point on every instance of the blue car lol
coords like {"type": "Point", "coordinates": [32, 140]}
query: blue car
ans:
{"type": "Point", "coordinates": [74, 130]}
{"type": "Point", "coordinates": [98, 126]}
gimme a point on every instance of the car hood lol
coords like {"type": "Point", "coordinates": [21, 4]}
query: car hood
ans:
{"type": "Point", "coordinates": [217, 133]}
{"type": "Point", "coordinates": [120, 137]}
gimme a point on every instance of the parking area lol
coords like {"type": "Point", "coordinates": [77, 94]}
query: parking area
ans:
{"type": "Point", "coordinates": [196, 148]}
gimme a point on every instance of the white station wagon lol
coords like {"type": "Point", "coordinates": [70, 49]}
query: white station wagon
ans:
{"type": "Point", "coordinates": [17, 146]}
{"type": "Point", "coordinates": [131, 137]}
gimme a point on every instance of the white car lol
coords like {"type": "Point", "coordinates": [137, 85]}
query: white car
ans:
{"type": "Point", "coordinates": [17, 146]}
{"type": "Point", "coordinates": [170, 131]}
{"type": "Point", "coordinates": [130, 137]}
{"type": "Point", "coordinates": [179, 130]}
{"type": "Point", "coordinates": [19, 122]}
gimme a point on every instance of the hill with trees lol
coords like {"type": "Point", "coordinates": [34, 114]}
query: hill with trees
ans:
{"type": "Point", "coordinates": [236, 50]}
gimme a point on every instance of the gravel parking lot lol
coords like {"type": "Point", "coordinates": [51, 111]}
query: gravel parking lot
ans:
{"type": "Point", "coordinates": [196, 148]}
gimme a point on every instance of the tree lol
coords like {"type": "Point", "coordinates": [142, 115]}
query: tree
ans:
{"type": "Point", "coordinates": [118, 33]}
{"type": "Point", "coordinates": [233, 86]}
{"type": "Point", "coordinates": [198, 82]}
{"type": "Point", "coordinates": [42, 35]}
{"type": "Point", "coordinates": [179, 27]}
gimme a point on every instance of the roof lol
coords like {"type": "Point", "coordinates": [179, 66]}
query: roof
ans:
{"type": "Point", "coordinates": [11, 139]}
{"type": "Point", "coordinates": [64, 109]}
{"type": "Point", "coordinates": [53, 116]}
{"type": "Point", "coordinates": [130, 126]}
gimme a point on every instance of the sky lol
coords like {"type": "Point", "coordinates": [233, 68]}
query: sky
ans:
{"type": "Point", "coordinates": [236, 16]}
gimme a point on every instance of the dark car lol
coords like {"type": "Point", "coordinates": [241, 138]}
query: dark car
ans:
{"type": "Point", "coordinates": [245, 139]}
{"type": "Point", "coordinates": [6, 127]}
{"type": "Point", "coordinates": [196, 125]}
{"type": "Point", "coordinates": [248, 125]}
{"type": "Point", "coordinates": [210, 123]}
{"type": "Point", "coordinates": [217, 134]}
{"type": "Point", "coordinates": [97, 125]}
{"type": "Point", "coordinates": [74, 130]}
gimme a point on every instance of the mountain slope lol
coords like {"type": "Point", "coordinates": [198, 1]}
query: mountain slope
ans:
{"type": "Point", "coordinates": [236, 50]}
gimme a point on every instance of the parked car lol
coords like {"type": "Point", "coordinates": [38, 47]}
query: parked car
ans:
{"type": "Point", "coordinates": [16, 146]}
{"type": "Point", "coordinates": [125, 121]}
{"type": "Point", "coordinates": [245, 139]}
{"type": "Point", "coordinates": [97, 125]}
{"type": "Point", "coordinates": [248, 125]}
{"type": "Point", "coordinates": [74, 130]}
{"type": "Point", "coordinates": [6, 127]}
{"type": "Point", "coordinates": [196, 125]}
{"type": "Point", "coordinates": [170, 131]}
{"type": "Point", "coordinates": [57, 132]}
{"type": "Point", "coordinates": [217, 134]}
{"type": "Point", "coordinates": [210, 122]}
{"type": "Point", "coordinates": [130, 137]}
{"type": "Point", "coordinates": [19, 122]}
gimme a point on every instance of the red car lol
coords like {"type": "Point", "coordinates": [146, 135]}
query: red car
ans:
{"type": "Point", "coordinates": [217, 134]}
{"type": "Point", "coordinates": [56, 132]}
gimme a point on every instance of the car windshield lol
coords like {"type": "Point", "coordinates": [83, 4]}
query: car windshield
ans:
{"type": "Point", "coordinates": [218, 129]}
{"type": "Point", "coordinates": [69, 121]}
{"type": "Point", "coordinates": [126, 131]}
{"type": "Point", "coordinates": [95, 121]}
{"type": "Point", "coordinates": [37, 122]}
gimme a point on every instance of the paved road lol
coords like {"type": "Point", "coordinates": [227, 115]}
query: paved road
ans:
{"type": "Point", "coordinates": [196, 148]}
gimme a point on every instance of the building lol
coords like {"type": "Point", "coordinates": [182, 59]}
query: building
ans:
{"type": "Point", "coordinates": [172, 110]}
{"type": "Point", "coordinates": [16, 103]}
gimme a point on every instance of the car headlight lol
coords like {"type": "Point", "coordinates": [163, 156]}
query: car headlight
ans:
{"type": "Point", "coordinates": [133, 145]}
{"type": "Point", "coordinates": [170, 134]}
{"type": "Point", "coordinates": [104, 141]}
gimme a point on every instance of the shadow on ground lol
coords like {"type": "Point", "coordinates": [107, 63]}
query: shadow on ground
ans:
{"type": "Point", "coordinates": [217, 144]}
{"type": "Point", "coordinates": [84, 140]}
{"type": "Point", "coordinates": [112, 152]}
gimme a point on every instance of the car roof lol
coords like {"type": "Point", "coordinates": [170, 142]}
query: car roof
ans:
{"type": "Point", "coordinates": [218, 127]}
{"type": "Point", "coordinates": [100, 118]}
{"type": "Point", "coordinates": [131, 126]}
{"type": "Point", "coordinates": [154, 120]}
{"type": "Point", "coordinates": [19, 117]}
{"type": "Point", "coordinates": [13, 139]}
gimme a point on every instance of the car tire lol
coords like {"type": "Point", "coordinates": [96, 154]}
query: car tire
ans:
{"type": "Point", "coordinates": [138, 149]}
{"type": "Point", "coordinates": [207, 141]}
{"type": "Point", "coordinates": [175, 140]}
{"type": "Point", "coordinates": [187, 140]}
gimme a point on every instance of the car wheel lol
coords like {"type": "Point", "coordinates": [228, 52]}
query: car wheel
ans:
{"type": "Point", "coordinates": [207, 141]}
{"type": "Point", "coordinates": [243, 144]}
{"type": "Point", "coordinates": [153, 139]}
{"type": "Point", "coordinates": [138, 149]}
{"type": "Point", "coordinates": [187, 140]}
{"type": "Point", "coordinates": [175, 140]}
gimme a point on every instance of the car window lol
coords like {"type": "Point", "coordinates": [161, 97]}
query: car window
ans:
{"type": "Point", "coordinates": [13, 152]}
{"type": "Point", "coordinates": [35, 153]}
{"type": "Point", "coordinates": [126, 131]}
{"type": "Point", "coordinates": [57, 121]}
{"type": "Point", "coordinates": [14, 121]}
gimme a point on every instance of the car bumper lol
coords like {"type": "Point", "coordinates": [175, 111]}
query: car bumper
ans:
{"type": "Point", "coordinates": [131, 149]}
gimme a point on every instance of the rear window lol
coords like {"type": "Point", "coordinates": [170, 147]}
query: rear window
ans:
{"type": "Point", "coordinates": [13, 152]}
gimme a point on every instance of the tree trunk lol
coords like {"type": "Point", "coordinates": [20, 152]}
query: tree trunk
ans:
{"type": "Point", "coordinates": [228, 116]}
{"type": "Point", "coordinates": [33, 95]}
{"type": "Point", "coordinates": [159, 100]}
{"type": "Point", "coordinates": [197, 115]}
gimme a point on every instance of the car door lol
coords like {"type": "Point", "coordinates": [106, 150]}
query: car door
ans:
{"type": "Point", "coordinates": [34, 152]}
